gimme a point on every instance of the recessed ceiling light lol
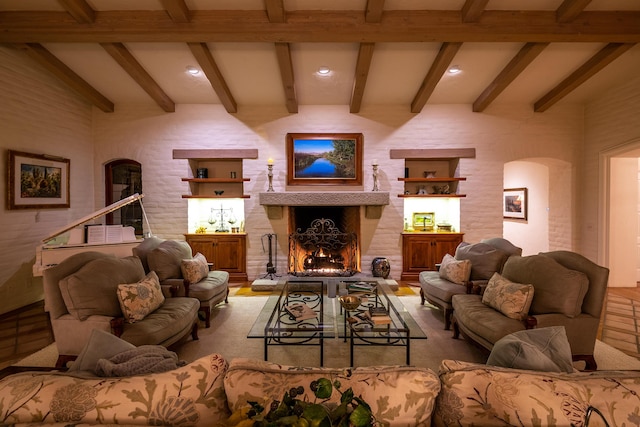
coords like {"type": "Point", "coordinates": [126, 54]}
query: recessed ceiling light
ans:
{"type": "Point", "coordinates": [324, 71]}
{"type": "Point", "coordinates": [193, 70]}
{"type": "Point", "coordinates": [454, 69]}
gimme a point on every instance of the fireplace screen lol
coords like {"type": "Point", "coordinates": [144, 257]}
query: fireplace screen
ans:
{"type": "Point", "coordinates": [322, 250]}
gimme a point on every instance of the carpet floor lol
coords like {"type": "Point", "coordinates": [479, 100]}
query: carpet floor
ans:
{"type": "Point", "coordinates": [231, 322]}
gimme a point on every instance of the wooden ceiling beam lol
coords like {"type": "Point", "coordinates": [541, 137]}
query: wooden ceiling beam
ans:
{"type": "Point", "coordinates": [126, 60]}
{"type": "Point", "coordinates": [56, 67]}
{"type": "Point", "coordinates": [177, 10]}
{"type": "Point", "coordinates": [202, 54]}
{"type": "Point", "coordinates": [472, 10]}
{"type": "Point", "coordinates": [373, 12]}
{"type": "Point", "coordinates": [275, 10]}
{"type": "Point", "coordinates": [365, 54]}
{"type": "Point", "coordinates": [283, 54]}
{"type": "Point", "coordinates": [321, 26]}
{"type": "Point", "coordinates": [596, 63]}
{"type": "Point", "coordinates": [80, 10]}
{"type": "Point", "coordinates": [517, 65]}
{"type": "Point", "coordinates": [570, 9]}
{"type": "Point", "coordinates": [438, 68]}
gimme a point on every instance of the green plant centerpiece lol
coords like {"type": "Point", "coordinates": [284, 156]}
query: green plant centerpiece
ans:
{"type": "Point", "coordinates": [296, 410]}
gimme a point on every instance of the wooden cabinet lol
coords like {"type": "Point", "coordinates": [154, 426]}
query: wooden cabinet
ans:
{"type": "Point", "coordinates": [422, 251]}
{"type": "Point", "coordinates": [227, 252]}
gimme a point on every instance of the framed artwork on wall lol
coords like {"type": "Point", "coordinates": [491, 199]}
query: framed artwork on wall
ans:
{"type": "Point", "coordinates": [324, 158]}
{"type": "Point", "coordinates": [37, 181]}
{"type": "Point", "coordinates": [514, 203]}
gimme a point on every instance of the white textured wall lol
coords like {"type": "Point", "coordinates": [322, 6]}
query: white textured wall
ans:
{"type": "Point", "coordinates": [38, 115]}
{"type": "Point", "coordinates": [503, 134]}
{"type": "Point", "coordinates": [611, 122]}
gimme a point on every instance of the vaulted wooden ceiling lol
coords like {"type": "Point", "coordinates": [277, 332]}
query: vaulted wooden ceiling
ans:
{"type": "Point", "coordinates": [267, 52]}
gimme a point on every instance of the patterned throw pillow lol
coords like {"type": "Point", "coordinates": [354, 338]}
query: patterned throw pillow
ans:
{"type": "Point", "coordinates": [195, 269]}
{"type": "Point", "coordinates": [139, 299]}
{"type": "Point", "coordinates": [456, 271]}
{"type": "Point", "coordinates": [511, 299]}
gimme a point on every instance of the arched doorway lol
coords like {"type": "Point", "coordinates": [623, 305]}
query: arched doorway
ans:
{"type": "Point", "coordinates": [123, 178]}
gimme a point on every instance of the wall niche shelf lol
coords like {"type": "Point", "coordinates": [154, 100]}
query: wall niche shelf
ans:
{"type": "Point", "coordinates": [441, 164]}
{"type": "Point", "coordinates": [224, 172]}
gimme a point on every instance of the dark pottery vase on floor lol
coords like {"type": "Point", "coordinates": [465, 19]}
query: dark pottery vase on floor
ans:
{"type": "Point", "coordinates": [380, 267]}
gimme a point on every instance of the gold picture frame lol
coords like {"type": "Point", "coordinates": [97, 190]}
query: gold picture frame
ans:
{"type": "Point", "coordinates": [424, 221]}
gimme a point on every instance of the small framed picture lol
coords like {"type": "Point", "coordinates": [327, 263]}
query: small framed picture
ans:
{"type": "Point", "coordinates": [37, 181]}
{"type": "Point", "coordinates": [514, 203]}
{"type": "Point", "coordinates": [423, 220]}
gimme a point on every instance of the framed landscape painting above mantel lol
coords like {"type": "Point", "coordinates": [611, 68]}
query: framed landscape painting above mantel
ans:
{"type": "Point", "coordinates": [37, 181]}
{"type": "Point", "coordinates": [324, 158]}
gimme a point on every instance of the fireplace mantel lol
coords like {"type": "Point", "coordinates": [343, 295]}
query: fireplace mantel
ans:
{"type": "Point", "coordinates": [373, 201]}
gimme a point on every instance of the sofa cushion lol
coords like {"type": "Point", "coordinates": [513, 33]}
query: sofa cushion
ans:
{"type": "Point", "coordinates": [194, 269]}
{"type": "Point", "coordinates": [143, 249]}
{"type": "Point", "coordinates": [541, 349]}
{"type": "Point", "coordinates": [557, 288]}
{"type": "Point", "coordinates": [477, 394]}
{"type": "Point", "coordinates": [511, 299]}
{"type": "Point", "coordinates": [141, 298]}
{"type": "Point", "coordinates": [388, 390]}
{"type": "Point", "coordinates": [192, 395]}
{"type": "Point", "coordinates": [214, 284]}
{"type": "Point", "coordinates": [485, 259]}
{"type": "Point", "coordinates": [504, 245]}
{"type": "Point", "coordinates": [171, 320]}
{"type": "Point", "coordinates": [166, 259]}
{"type": "Point", "coordinates": [101, 345]}
{"type": "Point", "coordinates": [92, 289]}
{"type": "Point", "coordinates": [456, 271]}
{"type": "Point", "coordinates": [441, 289]}
{"type": "Point", "coordinates": [484, 322]}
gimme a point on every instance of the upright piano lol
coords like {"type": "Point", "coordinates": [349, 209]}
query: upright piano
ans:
{"type": "Point", "coordinates": [116, 240]}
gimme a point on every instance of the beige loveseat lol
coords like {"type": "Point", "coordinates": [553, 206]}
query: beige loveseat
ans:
{"type": "Point", "coordinates": [206, 391]}
{"type": "Point", "coordinates": [482, 260]}
{"type": "Point", "coordinates": [558, 288]}
{"type": "Point", "coordinates": [172, 261]}
{"type": "Point", "coordinates": [81, 294]}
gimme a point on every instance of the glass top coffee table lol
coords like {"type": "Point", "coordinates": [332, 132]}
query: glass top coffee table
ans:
{"type": "Point", "coordinates": [277, 323]}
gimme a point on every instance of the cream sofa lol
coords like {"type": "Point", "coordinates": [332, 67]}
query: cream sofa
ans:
{"type": "Point", "coordinates": [206, 391]}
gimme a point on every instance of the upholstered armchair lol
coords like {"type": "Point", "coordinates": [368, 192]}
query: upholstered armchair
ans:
{"type": "Point", "coordinates": [558, 288]}
{"type": "Point", "coordinates": [480, 259]}
{"type": "Point", "coordinates": [183, 273]}
{"type": "Point", "coordinates": [92, 290]}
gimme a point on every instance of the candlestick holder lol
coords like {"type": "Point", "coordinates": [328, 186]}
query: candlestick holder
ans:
{"type": "Point", "coordinates": [375, 178]}
{"type": "Point", "coordinates": [270, 176]}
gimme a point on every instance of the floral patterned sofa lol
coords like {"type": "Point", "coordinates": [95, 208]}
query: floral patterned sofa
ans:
{"type": "Point", "coordinates": [204, 392]}
{"type": "Point", "coordinates": [208, 390]}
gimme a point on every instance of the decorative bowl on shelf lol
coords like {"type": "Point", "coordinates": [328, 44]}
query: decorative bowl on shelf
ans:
{"type": "Point", "coordinates": [350, 302]}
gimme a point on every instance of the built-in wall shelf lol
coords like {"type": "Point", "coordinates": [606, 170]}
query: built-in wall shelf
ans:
{"type": "Point", "coordinates": [221, 171]}
{"type": "Point", "coordinates": [432, 195]}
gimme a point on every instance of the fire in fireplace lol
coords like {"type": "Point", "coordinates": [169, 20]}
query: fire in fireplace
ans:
{"type": "Point", "coordinates": [323, 248]}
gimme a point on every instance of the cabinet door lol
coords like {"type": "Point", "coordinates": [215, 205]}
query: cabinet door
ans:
{"type": "Point", "coordinates": [445, 244]}
{"type": "Point", "coordinates": [230, 254]}
{"type": "Point", "coordinates": [203, 244]}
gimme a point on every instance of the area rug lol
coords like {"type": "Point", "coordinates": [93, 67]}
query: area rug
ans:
{"type": "Point", "coordinates": [231, 323]}
{"type": "Point", "coordinates": [620, 327]}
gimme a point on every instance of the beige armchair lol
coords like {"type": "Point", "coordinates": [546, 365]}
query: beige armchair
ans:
{"type": "Point", "coordinates": [167, 258]}
{"type": "Point", "coordinates": [568, 290]}
{"type": "Point", "coordinates": [80, 295]}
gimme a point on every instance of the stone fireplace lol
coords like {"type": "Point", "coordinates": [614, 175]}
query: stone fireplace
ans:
{"type": "Point", "coordinates": [324, 240]}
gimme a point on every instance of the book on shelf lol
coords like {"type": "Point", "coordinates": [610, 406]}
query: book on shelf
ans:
{"type": "Point", "coordinates": [300, 311]}
{"type": "Point", "coordinates": [378, 311]}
